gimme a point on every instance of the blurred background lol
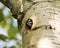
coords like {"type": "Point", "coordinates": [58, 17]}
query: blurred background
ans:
{"type": "Point", "coordinates": [9, 34]}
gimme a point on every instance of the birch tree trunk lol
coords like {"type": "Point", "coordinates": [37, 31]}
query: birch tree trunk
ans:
{"type": "Point", "coordinates": [38, 21]}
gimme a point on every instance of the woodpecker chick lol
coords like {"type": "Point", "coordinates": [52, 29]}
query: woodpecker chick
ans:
{"type": "Point", "coordinates": [29, 23]}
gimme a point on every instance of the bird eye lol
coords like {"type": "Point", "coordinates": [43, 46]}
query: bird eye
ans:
{"type": "Point", "coordinates": [29, 23]}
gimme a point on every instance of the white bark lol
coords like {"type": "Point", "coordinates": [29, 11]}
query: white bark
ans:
{"type": "Point", "coordinates": [45, 29]}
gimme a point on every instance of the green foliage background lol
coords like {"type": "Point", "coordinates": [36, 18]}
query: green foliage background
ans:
{"type": "Point", "coordinates": [7, 23]}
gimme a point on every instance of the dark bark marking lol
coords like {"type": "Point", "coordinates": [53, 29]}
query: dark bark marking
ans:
{"type": "Point", "coordinates": [31, 46]}
{"type": "Point", "coordinates": [19, 20]}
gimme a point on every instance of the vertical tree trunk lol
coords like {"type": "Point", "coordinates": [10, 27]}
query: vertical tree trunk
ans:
{"type": "Point", "coordinates": [40, 24]}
